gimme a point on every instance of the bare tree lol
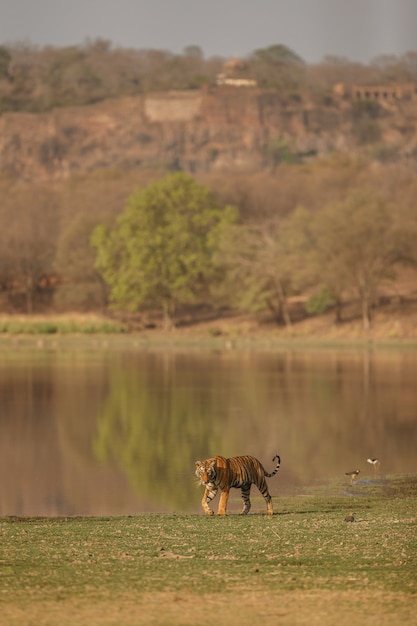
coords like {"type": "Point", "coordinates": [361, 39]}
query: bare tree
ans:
{"type": "Point", "coordinates": [358, 245]}
{"type": "Point", "coordinates": [265, 263]}
{"type": "Point", "coordinates": [29, 218]}
{"type": "Point", "coordinates": [82, 286]}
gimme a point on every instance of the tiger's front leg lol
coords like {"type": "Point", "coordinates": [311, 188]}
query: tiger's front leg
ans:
{"type": "Point", "coordinates": [223, 502]}
{"type": "Point", "coordinates": [209, 494]}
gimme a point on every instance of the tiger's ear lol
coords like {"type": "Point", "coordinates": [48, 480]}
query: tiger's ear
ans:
{"type": "Point", "coordinates": [197, 463]}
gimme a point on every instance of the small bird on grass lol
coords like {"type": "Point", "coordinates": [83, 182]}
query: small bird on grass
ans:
{"type": "Point", "coordinates": [353, 474]}
{"type": "Point", "coordinates": [350, 517]}
{"type": "Point", "coordinates": [376, 463]}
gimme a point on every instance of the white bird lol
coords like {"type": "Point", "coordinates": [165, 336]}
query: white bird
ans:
{"type": "Point", "coordinates": [376, 463]}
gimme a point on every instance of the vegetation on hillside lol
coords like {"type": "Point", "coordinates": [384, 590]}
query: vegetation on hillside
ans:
{"type": "Point", "coordinates": [38, 79]}
{"type": "Point", "coordinates": [329, 229]}
{"type": "Point", "coordinates": [335, 230]}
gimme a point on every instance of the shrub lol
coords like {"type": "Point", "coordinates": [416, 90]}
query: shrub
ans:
{"type": "Point", "coordinates": [320, 302]}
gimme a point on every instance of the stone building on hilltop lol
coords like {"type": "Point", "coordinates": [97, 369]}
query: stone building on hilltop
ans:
{"type": "Point", "coordinates": [236, 74]}
{"type": "Point", "coordinates": [390, 92]}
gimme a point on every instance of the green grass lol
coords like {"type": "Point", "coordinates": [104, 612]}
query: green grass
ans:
{"type": "Point", "coordinates": [305, 564]}
{"type": "Point", "coordinates": [60, 325]}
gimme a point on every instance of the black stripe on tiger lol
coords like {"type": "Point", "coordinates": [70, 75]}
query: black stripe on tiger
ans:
{"type": "Point", "coordinates": [239, 472]}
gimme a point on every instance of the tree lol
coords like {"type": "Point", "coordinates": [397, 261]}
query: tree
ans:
{"type": "Point", "coordinates": [266, 262]}
{"type": "Point", "coordinates": [160, 253]}
{"type": "Point", "coordinates": [193, 51]}
{"type": "Point", "coordinates": [29, 218]}
{"type": "Point", "coordinates": [357, 245]}
{"type": "Point", "coordinates": [5, 58]}
{"type": "Point", "coordinates": [278, 67]}
{"type": "Point", "coordinates": [82, 287]}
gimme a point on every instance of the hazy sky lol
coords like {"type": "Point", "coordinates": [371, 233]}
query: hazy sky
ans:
{"type": "Point", "coordinates": [356, 29]}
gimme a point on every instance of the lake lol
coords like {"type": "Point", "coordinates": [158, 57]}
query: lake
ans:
{"type": "Point", "coordinates": [102, 429]}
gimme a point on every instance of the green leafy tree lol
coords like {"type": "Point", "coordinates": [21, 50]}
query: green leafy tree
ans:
{"type": "Point", "coordinates": [277, 67]}
{"type": "Point", "coordinates": [160, 253]}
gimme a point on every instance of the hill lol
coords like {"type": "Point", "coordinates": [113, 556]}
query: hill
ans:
{"type": "Point", "coordinates": [65, 170]}
{"type": "Point", "coordinates": [214, 129]}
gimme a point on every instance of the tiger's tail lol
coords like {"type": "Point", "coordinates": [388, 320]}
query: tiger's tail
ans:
{"type": "Point", "coordinates": [277, 457]}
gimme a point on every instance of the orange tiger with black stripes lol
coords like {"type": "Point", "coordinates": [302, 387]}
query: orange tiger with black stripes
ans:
{"type": "Point", "coordinates": [239, 472]}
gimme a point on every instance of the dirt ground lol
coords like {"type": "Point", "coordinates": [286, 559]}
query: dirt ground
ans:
{"type": "Point", "coordinates": [296, 608]}
{"type": "Point", "coordinates": [394, 319]}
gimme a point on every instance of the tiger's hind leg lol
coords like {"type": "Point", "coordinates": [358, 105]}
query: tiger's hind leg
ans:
{"type": "Point", "coordinates": [263, 488]}
{"type": "Point", "coordinates": [270, 508]}
{"type": "Point", "coordinates": [246, 499]}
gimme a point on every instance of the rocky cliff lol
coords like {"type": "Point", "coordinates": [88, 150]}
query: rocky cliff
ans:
{"type": "Point", "coordinates": [216, 128]}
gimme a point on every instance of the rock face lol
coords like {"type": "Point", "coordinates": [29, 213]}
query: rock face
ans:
{"type": "Point", "coordinates": [221, 127]}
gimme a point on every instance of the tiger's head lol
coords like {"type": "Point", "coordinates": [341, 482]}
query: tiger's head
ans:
{"type": "Point", "coordinates": [206, 471]}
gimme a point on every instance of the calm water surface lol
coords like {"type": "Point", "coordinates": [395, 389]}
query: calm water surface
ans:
{"type": "Point", "coordinates": [115, 431]}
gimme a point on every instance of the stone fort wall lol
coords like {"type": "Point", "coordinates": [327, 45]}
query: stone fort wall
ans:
{"type": "Point", "coordinates": [396, 91]}
{"type": "Point", "coordinates": [172, 106]}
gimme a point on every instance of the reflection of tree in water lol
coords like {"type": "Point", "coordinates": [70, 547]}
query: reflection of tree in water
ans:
{"type": "Point", "coordinates": [321, 411]}
{"type": "Point", "coordinates": [156, 422]}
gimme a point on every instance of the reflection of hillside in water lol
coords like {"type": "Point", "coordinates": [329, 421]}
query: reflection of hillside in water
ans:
{"type": "Point", "coordinates": [46, 428]}
{"type": "Point", "coordinates": [329, 411]}
{"type": "Point", "coordinates": [119, 432]}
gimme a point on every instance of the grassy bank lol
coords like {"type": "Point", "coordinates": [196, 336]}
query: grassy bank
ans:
{"type": "Point", "coordinates": [96, 334]}
{"type": "Point", "coordinates": [59, 325]}
{"type": "Point", "coordinates": [305, 565]}
{"type": "Point", "coordinates": [241, 332]}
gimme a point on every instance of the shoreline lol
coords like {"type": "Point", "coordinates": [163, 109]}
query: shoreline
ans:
{"type": "Point", "coordinates": [240, 332]}
{"type": "Point", "coordinates": [135, 341]}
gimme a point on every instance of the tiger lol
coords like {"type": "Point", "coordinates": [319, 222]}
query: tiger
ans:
{"type": "Point", "coordinates": [239, 472]}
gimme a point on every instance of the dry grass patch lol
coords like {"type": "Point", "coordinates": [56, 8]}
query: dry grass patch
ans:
{"type": "Point", "coordinates": [238, 607]}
